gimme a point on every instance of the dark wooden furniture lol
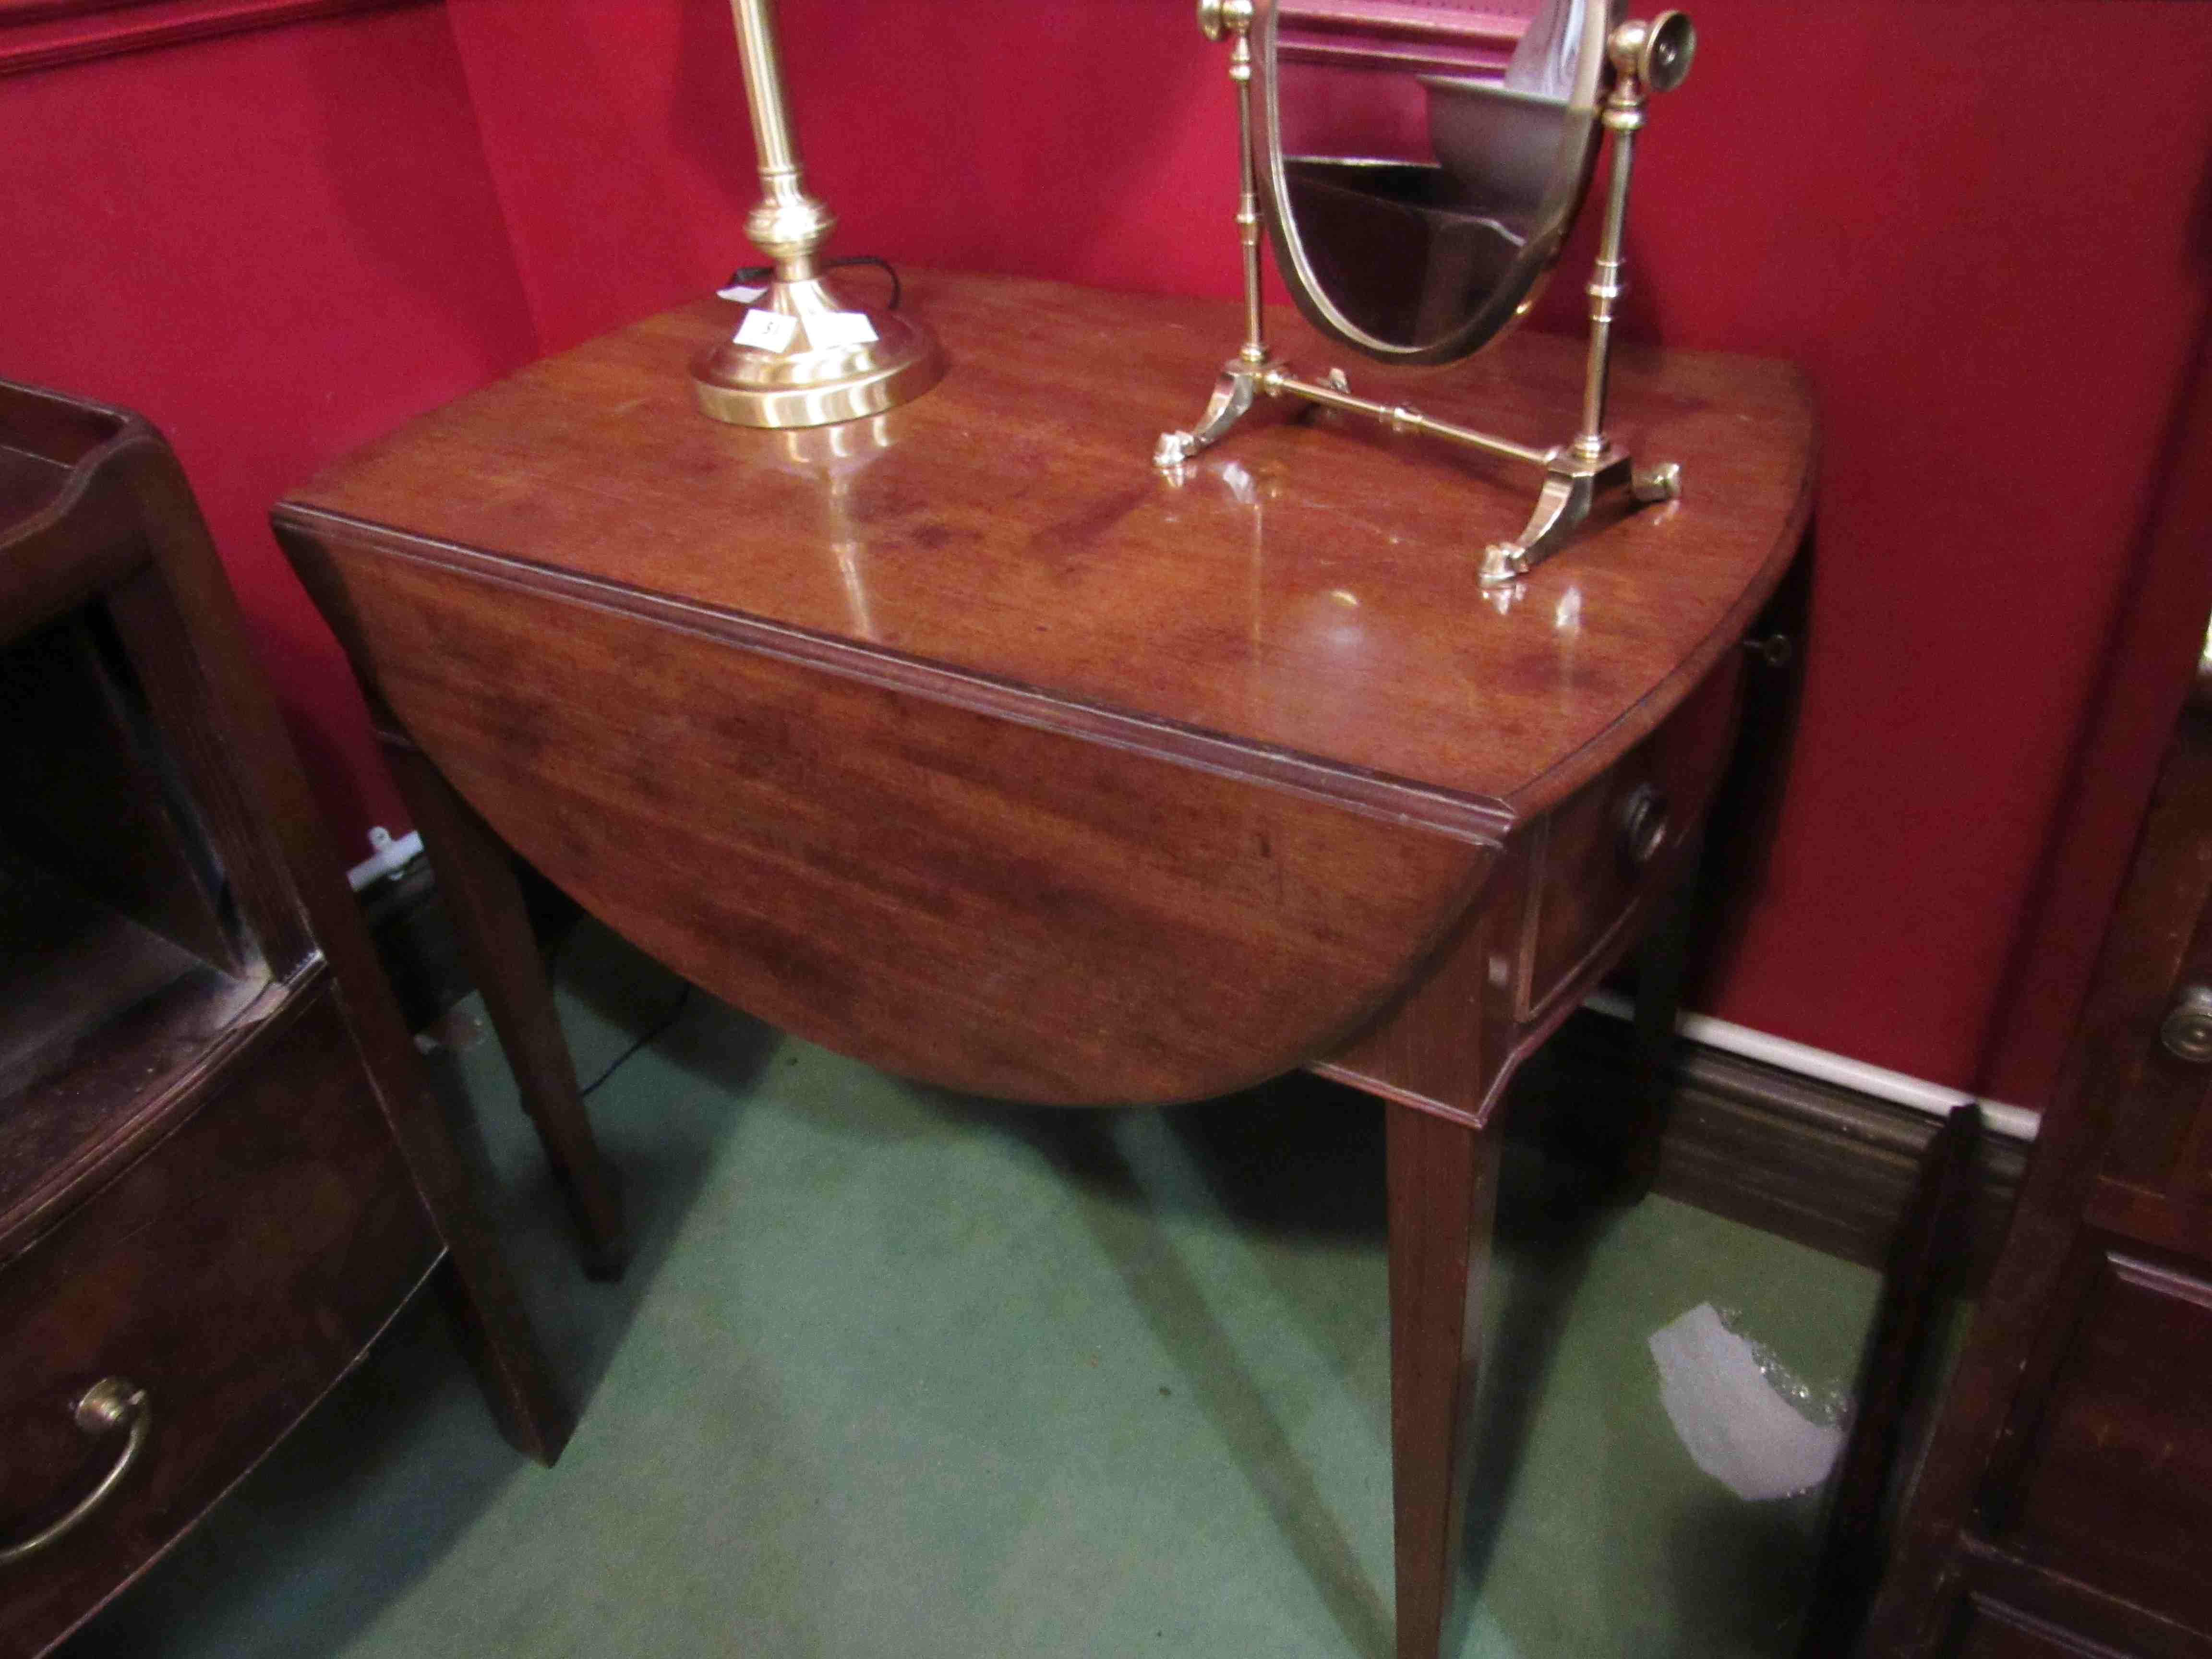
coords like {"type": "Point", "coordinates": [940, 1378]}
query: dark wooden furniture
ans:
{"type": "Point", "coordinates": [2064, 1504]}
{"type": "Point", "coordinates": [963, 741]}
{"type": "Point", "coordinates": [220, 1172]}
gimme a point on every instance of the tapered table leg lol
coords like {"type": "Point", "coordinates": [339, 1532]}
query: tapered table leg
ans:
{"type": "Point", "coordinates": [500, 953]}
{"type": "Point", "coordinates": [1662, 967]}
{"type": "Point", "coordinates": [1444, 1200]}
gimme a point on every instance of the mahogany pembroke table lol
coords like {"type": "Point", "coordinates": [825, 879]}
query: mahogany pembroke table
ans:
{"type": "Point", "coordinates": [964, 742]}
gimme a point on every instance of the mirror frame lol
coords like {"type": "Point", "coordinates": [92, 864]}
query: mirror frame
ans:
{"type": "Point", "coordinates": [1525, 278]}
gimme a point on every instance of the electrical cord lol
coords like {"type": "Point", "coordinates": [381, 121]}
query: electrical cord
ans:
{"type": "Point", "coordinates": [652, 1033]}
{"type": "Point", "coordinates": [658, 1029]}
{"type": "Point", "coordinates": [747, 275]}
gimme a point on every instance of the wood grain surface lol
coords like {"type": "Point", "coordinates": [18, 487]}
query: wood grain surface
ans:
{"type": "Point", "coordinates": [1308, 590]}
{"type": "Point", "coordinates": [932, 737]}
{"type": "Point", "coordinates": [966, 900]}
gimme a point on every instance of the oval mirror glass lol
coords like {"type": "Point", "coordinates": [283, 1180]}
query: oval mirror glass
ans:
{"type": "Point", "coordinates": [1421, 160]}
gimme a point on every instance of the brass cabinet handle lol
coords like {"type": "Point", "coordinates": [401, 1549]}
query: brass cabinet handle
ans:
{"type": "Point", "coordinates": [108, 1406]}
{"type": "Point", "coordinates": [1643, 825]}
{"type": "Point", "coordinates": [2186, 1030]}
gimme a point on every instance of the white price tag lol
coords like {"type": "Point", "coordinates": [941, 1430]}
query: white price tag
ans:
{"type": "Point", "coordinates": [741, 295]}
{"type": "Point", "coordinates": [770, 331]}
{"type": "Point", "coordinates": [840, 328]}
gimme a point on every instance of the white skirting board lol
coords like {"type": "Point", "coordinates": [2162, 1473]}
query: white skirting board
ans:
{"type": "Point", "coordinates": [2018, 1122]}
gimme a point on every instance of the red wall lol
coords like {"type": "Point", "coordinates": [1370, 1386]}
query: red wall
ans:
{"type": "Point", "coordinates": [1980, 224]}
{"type": "Point", "coordinates": [276, 245]}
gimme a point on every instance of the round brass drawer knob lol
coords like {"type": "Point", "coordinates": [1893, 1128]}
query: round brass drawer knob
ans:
{"type": "Point", "coordinates": [1643, 825]}
{"type": "Point", "coordinates": [2187, 1029]}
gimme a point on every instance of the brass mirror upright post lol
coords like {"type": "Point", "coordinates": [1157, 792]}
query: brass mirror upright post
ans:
{"type": "Point", "coordinates": [803, 355]}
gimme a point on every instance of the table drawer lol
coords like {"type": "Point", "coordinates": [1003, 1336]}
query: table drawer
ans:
{"type": "Point", "coordinates": [1606, 846]}
{"type": "Point", "coordinates": [232, 1274]}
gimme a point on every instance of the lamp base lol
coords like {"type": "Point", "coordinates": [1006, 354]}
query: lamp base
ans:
{"type": "Point", "coordinates": [818, 360]}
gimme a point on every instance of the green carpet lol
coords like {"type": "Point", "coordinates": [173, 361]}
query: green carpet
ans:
{"type": "Point", "coordinates": [898, 1373]}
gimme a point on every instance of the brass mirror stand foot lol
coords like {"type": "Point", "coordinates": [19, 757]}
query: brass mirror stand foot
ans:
{"type": "Point", "coordinates": [1572, 489]}
{"type": "Point", "coordinates": [1234, 394]}
{"type": "Point", "coordinates": [803, 357]}
{"type": "Point", "coordinates": [1651, 56]}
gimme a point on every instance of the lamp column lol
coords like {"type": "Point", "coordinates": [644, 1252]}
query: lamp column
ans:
{"type": "Point", "coordinates": [802, 355]}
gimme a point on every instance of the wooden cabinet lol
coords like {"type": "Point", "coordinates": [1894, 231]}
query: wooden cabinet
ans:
{"type": "Point", "coordinates": [220, 1172]}
{"type": "Point", "coordinates": [231, 1274]}
{"type": "Point", "coordinates": [2065, 1503]}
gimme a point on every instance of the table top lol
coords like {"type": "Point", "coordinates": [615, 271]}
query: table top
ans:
{"type": "Point", "coordinates": [1305, 594]}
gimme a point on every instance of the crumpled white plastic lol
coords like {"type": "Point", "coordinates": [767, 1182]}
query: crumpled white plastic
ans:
{"type": "Point", "coordinates": [1740, 1430]}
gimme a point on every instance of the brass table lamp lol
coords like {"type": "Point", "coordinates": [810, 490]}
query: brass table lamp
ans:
{"type": "Point", "coordinates": [803, 355]}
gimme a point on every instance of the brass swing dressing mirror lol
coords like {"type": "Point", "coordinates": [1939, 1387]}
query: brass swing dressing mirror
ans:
{"type": "Point", "coordinates": [1417, 165]}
